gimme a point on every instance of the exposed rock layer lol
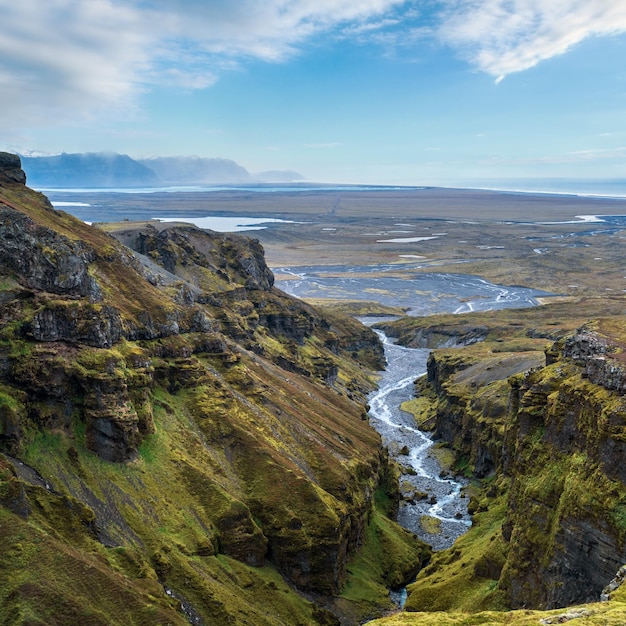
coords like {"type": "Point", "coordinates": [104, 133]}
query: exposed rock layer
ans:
{"type": "Point", "coordinates": [234, 413]}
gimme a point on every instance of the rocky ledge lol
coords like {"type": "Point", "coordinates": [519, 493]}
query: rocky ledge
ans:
{"type": "Point", "coordinates": [594, 353]}
{"type": "Point", "coordinates": [11, 169]}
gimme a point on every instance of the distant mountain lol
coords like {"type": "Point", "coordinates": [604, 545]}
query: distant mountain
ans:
{"type": "Point", "coordinates": [108, 169]}
{"type": "Point", "coordinates": [278, 176]}
{"type": "Point", "coordinates": [197, 171]}
{"type": "Point", "coordinates": [89, 169]}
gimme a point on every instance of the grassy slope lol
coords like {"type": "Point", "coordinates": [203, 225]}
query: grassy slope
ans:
{"type": "Point", "coordinates": [249, 470]}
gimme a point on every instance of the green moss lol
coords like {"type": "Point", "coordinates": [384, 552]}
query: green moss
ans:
{"type": "Point", "coordinates": [605, 614]}
{"type": "Point", "coordinates": [43, 580]}
{"type": "Point", "coordinates": [149, 449]}
{"type": "Point", "coordinates": [464, 577]}
{"type": "Point", "coordinates": [618, 517]}
{"type": "Point", "coordinates": [444, 455]}
{"type": "Point", "coordinates": [389, 557]}
{"type": "Point", "coordinates": [9, 401]}
{"type": "Point", "coordinates": [430, 525]}
{"type": "Point", "coordinates": [423, 412]}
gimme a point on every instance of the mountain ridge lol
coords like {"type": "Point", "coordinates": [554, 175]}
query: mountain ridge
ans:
{"type": "Point", "coordinates": [109, 170]}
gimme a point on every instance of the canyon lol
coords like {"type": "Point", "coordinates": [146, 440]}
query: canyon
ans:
{"type": "Point", "coordinates": [183, 442]}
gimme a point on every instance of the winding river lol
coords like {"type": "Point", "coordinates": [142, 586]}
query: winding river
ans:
{"type": "Point", "coordinates": [426, 492]}
{"type": "Point", "coordinates": [434, 506]}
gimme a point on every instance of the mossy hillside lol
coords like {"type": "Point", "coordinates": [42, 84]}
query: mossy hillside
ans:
{"type": "Point", "coordinates": [549, 440]}
{"type": "Point", "coordinates": [307, 343]}
{"type": "Point", "coordinates": [606, 614]}
{"type": "Point", "coordinates": [46, 580]}
{"type": "Point", "coordinates": [207, 437]}
{"type": "Point", "coordinates": [171, 513]}
{"type": "Point", "coordinates": [181, 505]}
{"type": "Point", "coordinates": [392, 547]}
{"type": "Point", "coordinates": [464, 578]}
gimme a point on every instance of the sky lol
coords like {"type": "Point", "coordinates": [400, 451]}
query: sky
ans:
{"type": "Point", "coordinates": [363, 91]}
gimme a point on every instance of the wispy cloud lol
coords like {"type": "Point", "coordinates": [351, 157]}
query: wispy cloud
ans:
{"type": "Point", "coordinates": [265, 29]}
{"type": "Point", "coordinates": [67, 55]}
{"type": "Point", "coordinates": [501, 37]}
{"type": "Point", "coordinates": [577, 156]}
{"type": "Point", "coordinates": [597, 153]}
{"type": "Point", "coordinates": [62, 60]}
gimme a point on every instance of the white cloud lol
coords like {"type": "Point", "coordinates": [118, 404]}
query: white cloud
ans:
{"type": "Point", "coordinates": [267, 29]}
{"type": "Point", "coordinates": [597, 155]}
{"type": "Point", "coordinates": [505, 36]}
{"type": "Point", "coordinates": [63, 60]}
{"type": "Point", "coordinates": [59, 56]}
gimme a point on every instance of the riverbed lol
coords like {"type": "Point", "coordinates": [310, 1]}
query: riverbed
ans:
{"type": "Point", "coordinates": [420, 293]}
{"type": "Point", "coordinates": [434, 505]}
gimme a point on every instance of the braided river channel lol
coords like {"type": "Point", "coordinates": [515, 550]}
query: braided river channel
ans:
{"type": "Point", "coordinates": [434, 506]}
{"type": "Point", "coordinates": [426, 490]}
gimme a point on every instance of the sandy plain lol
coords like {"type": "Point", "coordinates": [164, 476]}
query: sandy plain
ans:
{"type": "Point", "coordinates": [535, 240]}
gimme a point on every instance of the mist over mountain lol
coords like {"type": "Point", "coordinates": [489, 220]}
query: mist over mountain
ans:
{"type": "Point", "coordinates": [89, 169]}
{"type": "Point", "coordinates": [108, 169]}
{"type": "Point", "coordinates": [279, 176]}
{"type": "Point", "coordinates": [191, 170]}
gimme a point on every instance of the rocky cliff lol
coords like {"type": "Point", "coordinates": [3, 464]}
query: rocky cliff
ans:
{"type": "Point", "coordinates": [181, 441]}
{"type": "Point", "coordinates": [544, 431]}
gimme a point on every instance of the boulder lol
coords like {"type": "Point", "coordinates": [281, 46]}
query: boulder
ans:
{"type": "Point", "coordinates": [11, 169]}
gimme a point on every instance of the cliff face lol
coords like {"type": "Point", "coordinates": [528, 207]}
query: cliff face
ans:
{"type": "Point", "coordinates": [548, 437]}
{"type": "Point", "coordinates": [178, 435]}
{"type": "Point", "coordinates": [574, 481]}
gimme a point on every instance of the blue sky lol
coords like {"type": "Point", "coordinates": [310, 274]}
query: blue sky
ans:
{"type": "Point", "coordinates": [377, 91]}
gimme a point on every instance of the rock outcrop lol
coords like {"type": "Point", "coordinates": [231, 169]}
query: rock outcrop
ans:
{"type": "Point", "coordinates": [593, 353]}
{"type": "Point", "coordinates": [11, 169]}
{"type": "Point", "coordinates": [42, 260]}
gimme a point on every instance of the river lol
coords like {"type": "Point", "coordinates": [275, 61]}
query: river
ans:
{"type": "Point", "coordinates": [434, 506]}
{"type": "Point", "coordinates": [429, 494]}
